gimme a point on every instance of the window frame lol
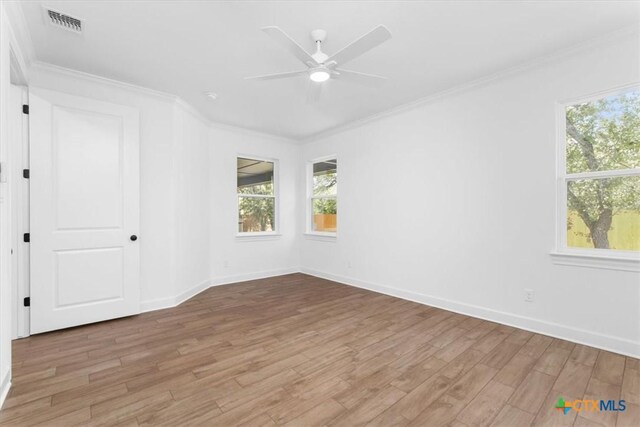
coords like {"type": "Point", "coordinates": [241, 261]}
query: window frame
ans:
{"type": "Point", "coordinates": [585, 257]}
{"type": "Point", "coordinates": [253, 235]}
{"type": "Point", "coordinates": [309, 231]}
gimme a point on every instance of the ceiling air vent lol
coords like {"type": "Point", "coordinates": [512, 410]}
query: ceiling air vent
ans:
{"type": "Point", "coordinates": [65, 21]}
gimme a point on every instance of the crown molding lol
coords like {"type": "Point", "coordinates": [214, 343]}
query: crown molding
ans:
{"type": "Point", "coordinates": [190, 109]}
{"type": "Point", "coordinates": [93, 78]}
{"type": "Point", "coordinates": [253, 133]}
{"type": "Point", "coordinates": [477, 83]}
{"type": "Point", "coordinates": [11, 20]}
{"type": "Point", "coordinates": [179, 102]}
{"type": "Point", "coordinates": [19, 30]}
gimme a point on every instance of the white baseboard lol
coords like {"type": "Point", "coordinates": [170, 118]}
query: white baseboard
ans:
{"type": "Point", "coordinates": [580, 336]}
{"type": "Point", "coordinates": [168, 302]}
{"type": "Point", "coordinates": [157, 304]}
{"type": "Point", "coordinates": [4, 387]}
{"type": "Point", "coordinates": [226, 280]}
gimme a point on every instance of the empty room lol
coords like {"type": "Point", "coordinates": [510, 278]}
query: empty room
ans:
{"type": "Point", "coordinates": [319, 213]}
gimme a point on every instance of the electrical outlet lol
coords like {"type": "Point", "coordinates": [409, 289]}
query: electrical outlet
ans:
{"type": "Point", "coordinates": [226, 264]}
{"type": "Point", "coordinates": [349, 265]}
{"type": "Point", "coordinates": [529, 295]}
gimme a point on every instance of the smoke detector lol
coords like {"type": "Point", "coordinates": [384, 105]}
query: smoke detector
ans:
{"type": "Point", "coordinates": [62, 20]}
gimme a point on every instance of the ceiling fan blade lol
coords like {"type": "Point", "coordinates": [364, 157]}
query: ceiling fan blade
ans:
{"type": "Point", "coordinates": [360, 78]}
{"type": "Point", "coordinates": [291, 45]}
{"type": "Point", "coordinates": [277, 75]}
{"type": "Point", "coordinates": [314, 91]}
{"type": "Point", "coordinates": [365, 43]}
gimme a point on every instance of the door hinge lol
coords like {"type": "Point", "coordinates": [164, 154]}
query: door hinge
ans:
{"type": "Point", "coordinates": [25, 173]}
{"type": "Point", "coordinates": [25, 109]}
{"type": "Point", "coordinates": [27, 301]}
{"type": "Point", "coordinates": [26, 238]}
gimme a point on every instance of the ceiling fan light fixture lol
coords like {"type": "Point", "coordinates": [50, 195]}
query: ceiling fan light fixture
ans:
{"type": "Point", "coordinates": [319, 75]}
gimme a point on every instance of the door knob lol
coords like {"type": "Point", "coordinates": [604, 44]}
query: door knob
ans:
{"type": "Point", "coordinates": [133, 237]}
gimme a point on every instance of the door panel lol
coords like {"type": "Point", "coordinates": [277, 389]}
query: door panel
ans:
{"type": "Point", "coordinates": [84, 206]}
{"type": "Point", "coordinates": [95, 201]}
{"type": "Point", "coordinates": [103, 268]}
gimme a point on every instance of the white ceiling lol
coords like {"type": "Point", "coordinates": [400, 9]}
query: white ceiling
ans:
{"type": "Point", "coordinates": [189, 47]}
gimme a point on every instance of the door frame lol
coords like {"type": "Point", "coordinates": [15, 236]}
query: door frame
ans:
{"type": "Point", "coordinates": [17, 151]}
{"type": "Point", "coordinates": [19, 188]}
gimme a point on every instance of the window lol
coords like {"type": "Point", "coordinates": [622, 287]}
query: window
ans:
{"type": "Point", "coordinates": [256, 196]}
{"type": "Point", "coordinates": [599, 176]}
{"type": "Point", "coordinates": [323, 197]}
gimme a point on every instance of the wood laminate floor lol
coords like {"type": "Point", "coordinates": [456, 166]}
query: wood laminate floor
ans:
{"type": "Point", "coordinates": [298, 350]}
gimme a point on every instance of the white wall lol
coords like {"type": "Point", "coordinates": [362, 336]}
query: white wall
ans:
{"type": "Point", "coordinates": [191, 213]}
{"type": "Point", "coordinates": [453, 204]}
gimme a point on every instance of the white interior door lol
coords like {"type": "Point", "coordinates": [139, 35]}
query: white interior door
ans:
{"type": "Point", "coordinates": [84, 178]}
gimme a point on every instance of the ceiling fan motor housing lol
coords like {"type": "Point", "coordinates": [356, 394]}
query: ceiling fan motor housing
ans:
{"type": "Point", "coordinates": [318, 36]}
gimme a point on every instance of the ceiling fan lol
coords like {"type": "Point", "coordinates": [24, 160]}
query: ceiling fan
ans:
{"type": "Point", "coordinates": [322, 67]}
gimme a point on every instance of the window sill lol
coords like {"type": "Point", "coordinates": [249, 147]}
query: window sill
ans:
{"type": "Point", "coordinates": [253, 237]}
{"type": "Point", "coordinates": [322, 237]}
{"type": "Point", "coordinates": [606, 262]}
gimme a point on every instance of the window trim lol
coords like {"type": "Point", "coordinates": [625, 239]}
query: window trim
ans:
{"type": "Point", "coordinates": [309, 232]}
{"type": "Point", "coordinates": [260, 235]}
{"type": "Point", "coordinates": [583, 257]}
